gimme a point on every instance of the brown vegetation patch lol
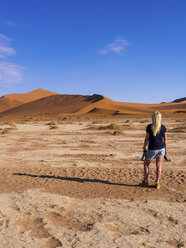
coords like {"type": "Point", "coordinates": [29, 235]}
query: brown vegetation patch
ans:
{"type": "Point", "coordinates": [72, 220]}
{"type": "Point", "coordinates": [52, 242]}
{"type": "Point", "coordinates": [35, 226]}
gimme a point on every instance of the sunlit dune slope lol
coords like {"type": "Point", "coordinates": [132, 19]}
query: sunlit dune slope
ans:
{"type": "Point", "coordinates": [107, 106]}
{"type": "Point", "coordinates": [56, 104]}
{"type": "Point", "coordinates": [13, 100]}
{"type": "Point", "coordinates": [6, 103]}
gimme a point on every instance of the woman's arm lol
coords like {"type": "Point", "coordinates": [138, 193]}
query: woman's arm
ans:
{"type": "Point", "coordinates": [165, 142]}
{"type": "Point", "coordinates": [146, 141]}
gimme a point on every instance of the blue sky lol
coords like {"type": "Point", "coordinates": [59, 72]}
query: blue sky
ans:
{"type": "Point", "coordinates": [127, 50]}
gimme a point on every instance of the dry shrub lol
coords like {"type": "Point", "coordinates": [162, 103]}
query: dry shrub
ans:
{"type": "Point", "coordinates": [52, 242]}
{"type": "Point", "coordinates": [127, 126]}
{"type": "Point", "coordinates": [178, 130]}
{"type": "Point", "coordinates": [97, 122]}
{"type": "Point", "coordinates": [116, 132]}
{"type": "Point", "coordinates": [52, 125]}
{"type": "Point", "coordinates": [111, 126]}
{"type": "Point", "coordinates": [114, 128]}
{"type": "Point", "coordinates": [5, 130]}
{"type": "Point", "coordinates": [5, 122]}
{"type": "Point", "coordinates": [181, 120]}
{"type": "Point", "coordinates": [91, 127]}
{"type": "Point", "coordinates": [144, 121]}
{"type": "Point", "coordinates": [64, 118]}
{"type": "Point", "coordinates": [127, 121]}
{"type": "Point", "coordinates": [11, 126]}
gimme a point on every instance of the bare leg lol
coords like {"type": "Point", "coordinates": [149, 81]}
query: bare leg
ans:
{"type": "Point", "coordinates": [146, 169]}
{"type": "Point", "coordinates": [158, 168]}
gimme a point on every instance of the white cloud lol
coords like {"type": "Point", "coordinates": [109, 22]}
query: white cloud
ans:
{"type": "Point", "coordinates": [118, 46]}
{"type": "Point", "coordinates": [10, 73]}
{"type": "Point", "coordinates": [5, 49]}
{"type": "Point", "coordinates": [4, 39]}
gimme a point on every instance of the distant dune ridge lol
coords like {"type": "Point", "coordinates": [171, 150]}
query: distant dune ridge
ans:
{"type": "Point", "coordinates": [180, 99]}
{"type": "Point", "coordinates": [43, 102]}
{"type": "Point", "coordinates": [13, 100]}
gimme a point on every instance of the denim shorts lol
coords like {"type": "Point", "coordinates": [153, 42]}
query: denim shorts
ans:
{"type": "Point", "coordinates": [151, 154]}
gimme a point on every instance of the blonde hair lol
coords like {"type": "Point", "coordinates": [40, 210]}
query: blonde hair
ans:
{"type": "Point", "coordinates": [156, 122]}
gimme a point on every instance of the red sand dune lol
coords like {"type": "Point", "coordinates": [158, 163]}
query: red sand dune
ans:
{"type": "Point", "coordinates": [45, 102]}
{"type": "Point", "coordinates": [56, 104]}
{"type": "Point", "coordinates": [13, 100]}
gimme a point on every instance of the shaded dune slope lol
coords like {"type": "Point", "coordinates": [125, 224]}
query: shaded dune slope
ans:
{"type": "Point", "coordinates": [13, 100]}
{"type": "Point", "coordinates": [173, 106]}
{"type": "Point", "coordinates": [56, 104]}
{"type": "Point", "coordinates": [180, 99]}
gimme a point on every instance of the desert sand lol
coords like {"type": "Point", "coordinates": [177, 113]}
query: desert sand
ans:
{"type": "Point", "coordinates": [74, 182]}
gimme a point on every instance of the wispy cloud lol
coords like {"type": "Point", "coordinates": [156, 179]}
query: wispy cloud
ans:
{"type": "Point", "coordinates": [9, 23]}
{"type": "Point", "coordinates": [10, 73]}
{"type": "Point", "coordinates": [5, 49]}
{"type": "Point", "coordinates": [4, 39]}
{"type": "Point", "coordinates": [118, 46]}
{"type": "Point", "coordinates": [75, 73]}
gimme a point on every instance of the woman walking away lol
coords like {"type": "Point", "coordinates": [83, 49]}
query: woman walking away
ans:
{"type": "Point", "coordinates": [156, 139]}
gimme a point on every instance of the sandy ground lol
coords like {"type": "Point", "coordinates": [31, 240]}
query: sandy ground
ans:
{"type": "Point", "coordinates": [77, 185]}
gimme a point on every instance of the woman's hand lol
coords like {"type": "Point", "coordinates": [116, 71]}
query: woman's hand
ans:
{"type": "Point", "coordinates": [146, 142]}
{"type": "Point", "coordinates": [144, 149]}
{"type": "Point", "coordinates": [165, 142]}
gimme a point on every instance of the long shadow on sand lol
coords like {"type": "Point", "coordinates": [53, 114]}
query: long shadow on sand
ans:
{"type": "Point", "coordinates": [80, 180]}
